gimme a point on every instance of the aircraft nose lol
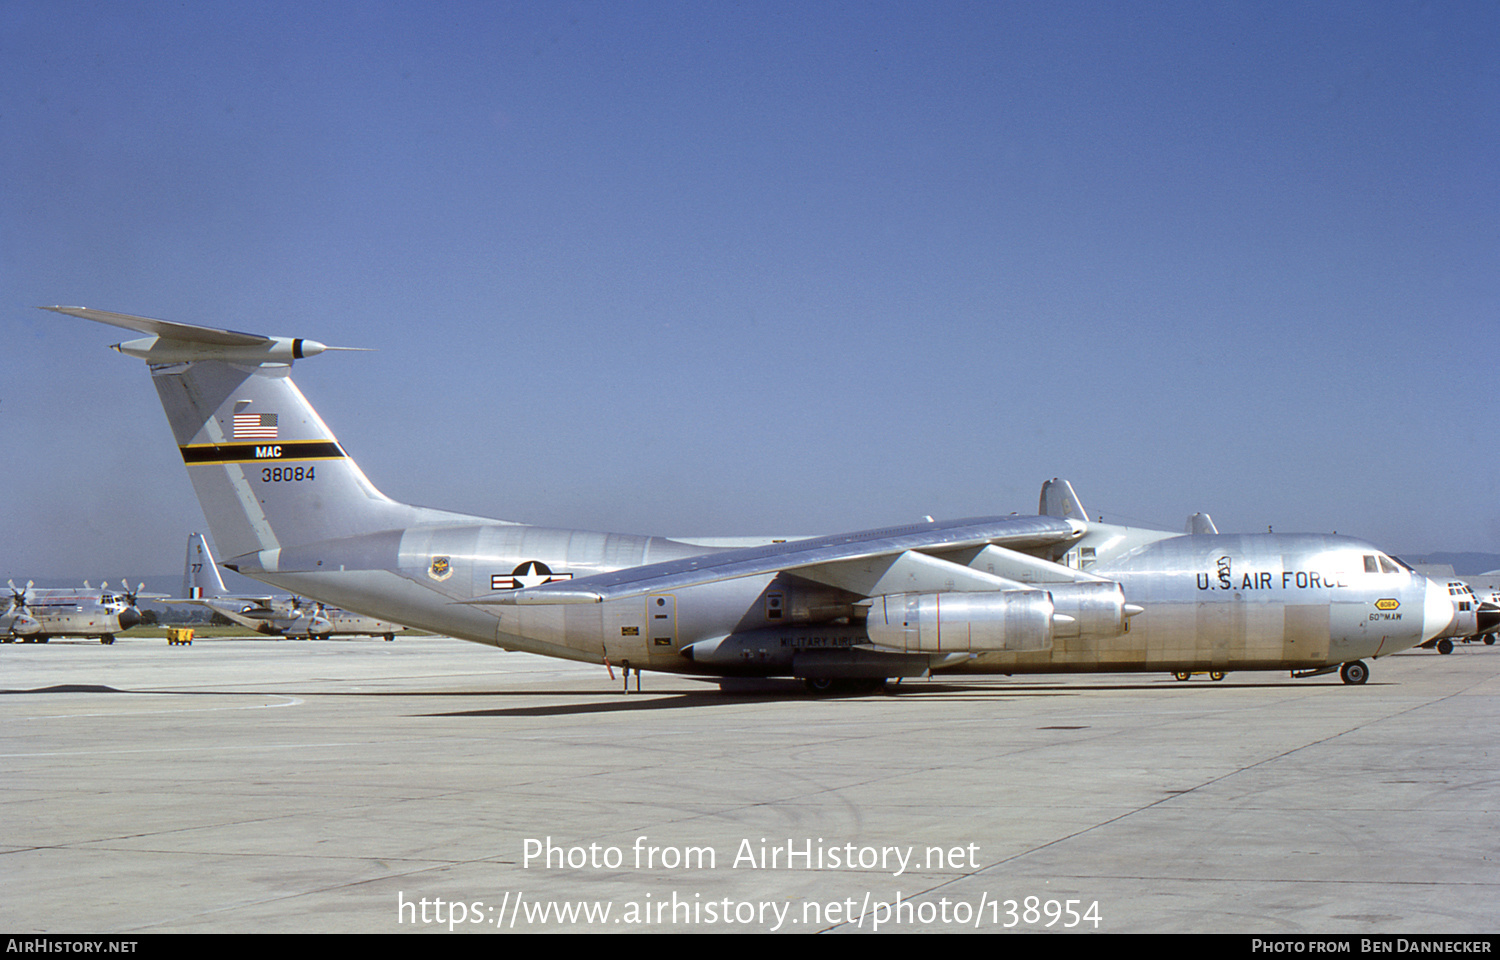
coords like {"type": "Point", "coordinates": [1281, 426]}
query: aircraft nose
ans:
{"type": "Point", "coordinates": [129, 617]}
{"type": "Point", "coordinates": [1488, 617]}
{"type": "Point", "coordinates": [1438, 611]}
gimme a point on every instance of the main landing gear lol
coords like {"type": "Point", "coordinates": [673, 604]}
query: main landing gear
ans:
{"type": "Point", "coordinates": [828, 686]}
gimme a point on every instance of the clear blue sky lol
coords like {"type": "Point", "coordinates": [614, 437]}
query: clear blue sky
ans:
{"type": "Point", "coordinates": [727, 268]}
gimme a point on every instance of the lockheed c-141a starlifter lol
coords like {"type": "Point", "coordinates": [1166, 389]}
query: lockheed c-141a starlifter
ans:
{"type": "Point", "coordinates": [1014, 594]}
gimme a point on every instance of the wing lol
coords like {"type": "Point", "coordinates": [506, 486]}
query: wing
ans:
{"type": "Point", "coordinates": [222, 609]}
{"type": "Point", "coordinates": [210, 601]}
{"type": "Point", "coordinates": [959, 555]}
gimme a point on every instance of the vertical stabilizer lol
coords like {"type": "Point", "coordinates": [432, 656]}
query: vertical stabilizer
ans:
{"type": "Point", "coordinates": [267, 470]}
{"type": "Point", "coordinates": [200, 575]}
{"type": "Point", "coordinates": [1200, 524]}
{"type": "Point", "coordinates": [1059, 500]}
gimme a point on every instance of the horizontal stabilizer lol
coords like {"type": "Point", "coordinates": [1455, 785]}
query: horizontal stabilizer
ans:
{"type": "Point", "coordinates": [166, 329]}
{"type": "Point", "coordinates": [172, 342]}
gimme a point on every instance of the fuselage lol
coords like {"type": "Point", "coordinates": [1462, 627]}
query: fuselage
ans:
{"type": "Point", "coordinates": [296, 618]}
{"type": "Point", "coordinates": [45, 613]}
{"type": "Point", "coordinates": [1213, 602]}
{"type": "Point", "coordinates": [1264, 602]}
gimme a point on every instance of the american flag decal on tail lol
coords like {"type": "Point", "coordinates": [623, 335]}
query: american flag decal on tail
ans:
{"type": "Point", "coordinates": [255, 426]}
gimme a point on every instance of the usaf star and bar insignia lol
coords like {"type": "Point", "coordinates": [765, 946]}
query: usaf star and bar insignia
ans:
{"type": "Point", "coordinates": [532, 573]}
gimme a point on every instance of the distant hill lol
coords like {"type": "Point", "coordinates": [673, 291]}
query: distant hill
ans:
{"type": "Point", "coordinates": [1464, 564]}
{"type": "Point", "coordinates": [169, 584]}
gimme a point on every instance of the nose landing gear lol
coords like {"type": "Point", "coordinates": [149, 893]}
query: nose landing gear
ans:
{"type": "Point", "coordinates": [1354, 672]}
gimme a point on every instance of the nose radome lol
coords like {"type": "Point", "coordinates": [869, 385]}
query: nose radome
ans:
{"type": "Point", "coordinates": [1488, 617]}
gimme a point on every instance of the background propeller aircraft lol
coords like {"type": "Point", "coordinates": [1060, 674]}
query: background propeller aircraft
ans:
{"type": "Point", "coordinates": [1054, 592]}
{"type": "Point", "coordinates": [37, 615]}
{"type": "Point", "coordinates": [280, 616]}
{"type": "Point", "coordinates": [1475, 616]}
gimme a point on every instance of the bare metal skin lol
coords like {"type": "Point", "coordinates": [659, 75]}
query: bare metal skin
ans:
{"type": "Point", "coordinates": [1049, 593]}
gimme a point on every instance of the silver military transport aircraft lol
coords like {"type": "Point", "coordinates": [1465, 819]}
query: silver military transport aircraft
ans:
{"type": "Point", "coordinates": [1044, 594]}
{"type": "Point", "coordinates": [37, 615]}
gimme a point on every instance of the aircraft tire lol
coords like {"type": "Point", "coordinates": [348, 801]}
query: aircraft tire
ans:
{"type": "Point", "coordinates": [1354, 672]}
{"type": "Point", "coordinates": [1489, 639]}
{"type": "Point", "coordinates": [1216, 675]}
{"type": "Point", "coordinates": [106, 639]}
{"type": "Point", "coordinates": [389, 637]}
{"type": "Point", "coordinates": [1445, 646]}
{"type": "Point", "coordinates": [1182, 675]}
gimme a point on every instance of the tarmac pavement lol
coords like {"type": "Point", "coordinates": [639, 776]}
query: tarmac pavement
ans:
{"type": "Point", "coordinates": [428, 784]}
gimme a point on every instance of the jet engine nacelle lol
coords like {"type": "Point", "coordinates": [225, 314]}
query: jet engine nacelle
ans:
{"type": "Point", "coordinates": [1013, 621]}
{"type": "Point", "coordinates": [1093, 610]}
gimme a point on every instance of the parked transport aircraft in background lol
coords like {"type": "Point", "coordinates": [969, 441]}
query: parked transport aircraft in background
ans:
{"type": "Point", "coordinates": [1476, 616]}
{"type": "Point", "coordinates": [1486, 587]}
{"type": "Point", "coordinates": [280, 616]}
{"type": "Point", "coordinates": [1010, 595]}
{"type": "Point", "coordinates": [37, 615]}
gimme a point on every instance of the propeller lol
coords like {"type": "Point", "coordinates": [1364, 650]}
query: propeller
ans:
{"type": "Point", "coordinates": [21, 623]}
{"type": "Point", "coordinates": [318, 623]}
{"type": "Point", "coordinates": [130, 616]}
{"type": "Point", "coordinates": [18, 595]}
{"type": "Point", "coordinates": [131, 595]}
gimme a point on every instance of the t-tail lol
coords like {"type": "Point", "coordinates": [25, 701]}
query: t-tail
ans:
{"type": "Point", "coordinates": [267, 470]}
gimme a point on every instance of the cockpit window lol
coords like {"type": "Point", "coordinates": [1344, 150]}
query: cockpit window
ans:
{"type": "Point", "coordinates": [1370, 565]}
{"type": "Point", "coordinates": [1388, 566]}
